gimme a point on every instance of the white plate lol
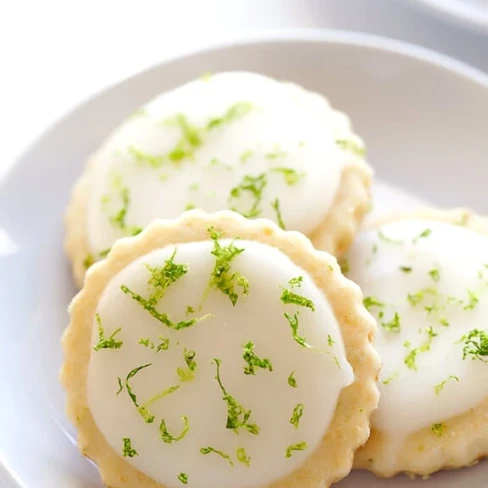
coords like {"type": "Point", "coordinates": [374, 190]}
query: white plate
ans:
{"type": "Point", "coordinates": [470, 13]}
{"type": "Point", "coordinates": [423, 116]}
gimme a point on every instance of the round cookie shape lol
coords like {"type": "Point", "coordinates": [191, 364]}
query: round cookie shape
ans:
{"type": "Point", "coordinates": [193, 357]}
{"type": "Point", "coordinates": [238, 141]}
{"type": "Point", "coordinates": [247, 340]}
{"type": "Point", "coordinates": [425, 280]}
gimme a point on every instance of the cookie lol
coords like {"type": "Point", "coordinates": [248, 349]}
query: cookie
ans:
{"type": "Point", "coordinates": [425, 279]}
{"type": "Point", "coordinates": [214, 350]}
{"type": "Point", "coordinates": [238, 141]}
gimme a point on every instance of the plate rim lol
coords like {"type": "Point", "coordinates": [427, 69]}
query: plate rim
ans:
{"type": "Point", "coordinates": [456, 14]}
{"type": "Point", "coordinates": [281, 36]}
{"type": "Point", "coordinates": [318, 35]}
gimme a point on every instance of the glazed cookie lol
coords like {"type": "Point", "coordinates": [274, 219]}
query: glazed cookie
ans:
{"type": "Point", "coordinates": [217, 351]}
{"type": "Point", "coordinates": [424, 276]}
{"type": "Point", "coordinates": [238, 141]}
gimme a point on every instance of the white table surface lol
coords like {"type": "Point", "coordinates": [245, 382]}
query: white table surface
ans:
{"type": "Point", "coordinates": [56, 53]}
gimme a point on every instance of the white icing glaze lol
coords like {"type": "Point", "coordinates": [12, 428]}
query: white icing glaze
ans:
{"type": "Point", "coordinates": [448, 262]}
{"type": "Point", "coordinates": [285, 127]}
{"type": "Point", "coordinates": [257, 317]}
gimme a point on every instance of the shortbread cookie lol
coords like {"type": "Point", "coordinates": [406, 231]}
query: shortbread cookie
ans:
{"type": "Point", "coordinates": [237, 141]}
{"type": "Point", "coordinates": [217, 351]}
{"type": "Point", "coordinates": [424, 276]}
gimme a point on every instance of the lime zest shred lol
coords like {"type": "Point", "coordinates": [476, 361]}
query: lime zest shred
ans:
{"type": "Point", "coordinates": [89, 260]}
{"type": "Point", "coordinates": [391, 378]}
{"type": "Point", "coordinates": [425, 233]}
{"type": "Point", "coordinates": [293, 322]}
{"type": "Point", "coordinates": [106, 342]}
{"type": "Point", "coordinates": [392, 325]}
{"type": "Point", "coordinates": [434, 274]}
{"type": "Point", "coordinates": [383, 237]}
{"type": "Point", "coordinates": [234, 112]}
{"type": "Point", "coordinates": [292, 176]}
{"type": "Point", "coordinates": [237, 415]}
{"type": "Point", "coordinates": [169, 438]}
{"type": "Point", "coordinates": [439, 387]}
{"type": "Point", "coordinates": [119, 219]}
{"type": "Point", "coordinates": [209, 450]}
{"type": "Point", "coordinates": [371, 301]}
{"type": "Point", "coordinates": [183, 477]}
{"type": "Point", "coordinates": [253, 186]}
{"type": "Point", "coordinates": [300, 446]}
{"type": "Point", "coordinates": [161, 395]}
{"type": "Point", "coordinates": [276, 153]}
{"type": "Point", "coordinates": [143, 158]}
{"type": "Point", "coordinates": [472, 300]}
{"type": "Point", "coordinates": [161, 279]}
{"type": "Point", "coordinates": [275, 204]}
{"type": "Point", "coordinates": [475, 345]}
{"type": "Point", "coordinates": [411, 358]}
{"type": "Point", "coordinates": [297, 415]}
{"type": "Point", "coordinates": [242, 456]}
{"type": "Point", "coordinates": [288, 297]}
{"type": "Point", "coordinates": [188, 373]}
{"type": "Point", "coordinates": [222, 276]}
{"type": "Point", "coordinates": [245, 156]}
{"type": "Point", "coordinates": [121, 385]}
{"type": "Point", "coordinates": [127, 449]}
{"type": "Point", "coordinates": [438, 429]}
{"type": "Point", "coordinates": [351, 146]}
{"type": "Point", "coordinates": [253, 360]}
{"type": "Point", "coordinates": [148, 417]}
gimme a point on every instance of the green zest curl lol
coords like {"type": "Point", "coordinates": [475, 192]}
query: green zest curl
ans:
{"type": "Point", "coordinates": [188, 373]}
{"type": "Point", "coordinates": [275, 204]}
{"type": "Point", "coordinates": [161, 279]}
{"type": "Point", "coordinates": [289, 297]}
{"type": "Point", "coordinates": [169, 438]}
{"type": "Point", "coordinates": [146, 415]}
{"type": "Point", "coordinates": [237, 415]}
{"type": "Point", "coordinates": [234, 112]}
{"type": "Point", "coordinates": [222, 277]}
{"type": "Point", "coordinates": [254, 186]}
{"type": "Point", "coordinates": [242, 456]}
{"type": "Point", "coordinates": [253, 360]}
{"type": "Point", "coordinates": [438, 429]}
{"type": "Point", "coordinates": [292, 176]}
{"type": "Point", "coordinates": [351, 146]}
{"type": "Point", "coordinates": [475, 345]}
{"type": "Point", "coordinates": [438, 388]}
{"type": "Point", "coordinates": [183, 477]}
{"type": "Point", "coordinates": [119, 219]}
{"type": "Point", "coordinates": [411, 358]}
{"type": "Point", "coordinates": [106, 342]}
{"type": "Point", "coordinates": [293, 322]}
{"type": "Point", "coordinates": [297, 415]}
{"type": "Point", "coordinates": [127, 450]}
{"type": "Point", "coordinates": [208, 450]}
{"type": "Point", "coordinates": [300, 446]}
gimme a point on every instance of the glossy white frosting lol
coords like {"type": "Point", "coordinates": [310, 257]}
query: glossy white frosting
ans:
{"type": "Point", "coordinates": [431, 275]}
{"type": "Point", "coordinates": [279, 125]}
{"type": "Point", "coordinates": [320, 372]}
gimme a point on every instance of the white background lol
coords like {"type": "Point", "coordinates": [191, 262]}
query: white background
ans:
{"type": "Point", "coordinates": [56, 53]}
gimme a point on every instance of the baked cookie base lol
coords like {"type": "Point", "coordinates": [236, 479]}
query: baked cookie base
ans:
{"type": "Point", "coordinates": [351, 204]}
{"type": "Point", "coordinates": [349, 428]}
{"type": "Point", "coordinates": [464, 440]}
